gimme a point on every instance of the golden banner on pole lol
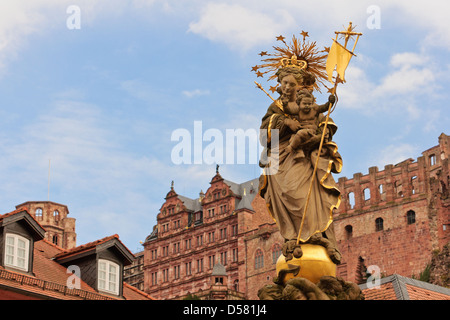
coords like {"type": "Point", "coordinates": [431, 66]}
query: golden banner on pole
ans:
{"type": "Point", "coordinates": [338, 57]}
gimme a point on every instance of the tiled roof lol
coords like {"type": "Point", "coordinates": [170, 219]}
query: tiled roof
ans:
{"type": "Point", "coordinates": [19, 210]}
{"type": "Point", "coordinates": [2, 216]}
{"type": "Point", "coordinates": [397, 287]}
{"type": "Point", "coordinates": [86, 247]}
{"type": "Point", "coordinates": [49, 279]}
{"type": "Point", "coordinates": [133, 293]}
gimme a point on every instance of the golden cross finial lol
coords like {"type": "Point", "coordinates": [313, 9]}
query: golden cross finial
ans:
{"type": "Point", "coordinates": [348, 34]}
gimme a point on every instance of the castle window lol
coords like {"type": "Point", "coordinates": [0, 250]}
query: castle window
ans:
{"type": "Point", "coordinates": [154, 278]}
{"type": "Point", "coordinates": [235, 255]}
{"type": "Point", "coordinates": [55, 239]}
{"type": "Point", "coordinates": [223, 258]}
{"type": "Point", "coordinates": [236, 285]}
{"type": "Point", "coordinates": [176, 247]}
{"type": "Point", "coordinates": [259, 259]}
{"type": "Point", "coordinates": [219, 280]}
{"type": "Point", "coordinates": [200, 240]}
{"type": "Point", "coordinates": [223, 233]}
{"type": "Point", "coordinates": [223, 208]}
{"type": "Point", "coordinates": [378, 224]}
{"type": "Point", "coordinates": [56, 215]}
{"type": "Point", "coordinates": [380, 189]}
{"type": "Point", "coordinates": [411, 217]}
{"type": "Point", "coordinates": [366, 194]}
{"type": "Point", "coordinates": [348, 231]}
{"type": "Point", "coordinates": [234, 230]}
{"type": "Point", "coordinates": [165, 275]}
{"type": "Point", "coordinates": [413, 184]}
{"type": "Point", "coordinates": [176, 272]}
{"type": "Point", "coordinates": [16, 251]}
{"type": "Point", "coordinates": [187, 244]}
{"type": "Point", "coordinates": [351, 200]}
{"type": "Point", "coordinates": [212, 261]}
{"type": "Point", "coordinates": [38, 213]}
{"type": "Point", "coordinates": [108, 276]}
{"type": "Point", "coordinates": [276, 252]}
{"type": "Point", "coordinates": [211, 236]}
{"type": "Point", "coordinates": [398, 188]}
{"type": "Point", "coordinates": [432, 159]}
{"type": "Point", "coordinates": [200, 265]}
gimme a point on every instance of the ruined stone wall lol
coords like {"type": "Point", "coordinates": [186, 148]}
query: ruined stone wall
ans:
{"type": "Point", "coordinates": [372, 224]}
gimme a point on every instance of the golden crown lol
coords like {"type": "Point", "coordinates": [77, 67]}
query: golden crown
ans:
{"type": "Point", "coordinates": [294, 62]}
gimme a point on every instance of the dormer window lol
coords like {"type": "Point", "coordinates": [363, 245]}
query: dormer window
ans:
{"type": "Point", "coordinates": [17, 251]}
{"type": "Point", "coordinates": [108, 276]}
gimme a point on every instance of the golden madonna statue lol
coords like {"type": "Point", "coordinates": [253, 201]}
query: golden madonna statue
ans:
{"type": "Point", "coordinates": [297, 182]}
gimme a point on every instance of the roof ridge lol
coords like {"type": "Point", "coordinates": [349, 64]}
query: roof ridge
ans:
{"type": "Point", "coordinates": [87, 245]}
{"type": "Point", "coordinates": [19, 210]}
{"type": "Point", "coordinates": [8, 214]}
{"type": "Point", "coordinates": [426, 285]}
{"type": "Point", "coordinates": [398, 283]}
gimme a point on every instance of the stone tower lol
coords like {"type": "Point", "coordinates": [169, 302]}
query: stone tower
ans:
{"type": "Point", "coordinates": [60, 229]}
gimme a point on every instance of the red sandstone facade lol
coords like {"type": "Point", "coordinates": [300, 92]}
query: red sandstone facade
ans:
{"type": "Point", "coordinates": [59, 228]}
{"type": "Point", "coordinates": [392, 219]}
{"type": "Point", "coordinates": [192, 236]}
{"type": "Point", "coordinates": [395, 218]}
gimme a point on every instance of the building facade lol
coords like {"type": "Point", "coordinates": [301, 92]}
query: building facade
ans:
{"type": "Point", "coordinates": [34, 268]}
{"type": "Point", "coordinates": [389, 222]}
{"type": "Point", "coordinates": [394, 219]}
{"type": "Point", "coordinates": [192, 236]}
{"type": "Point", "coordinates": [59, 228]}
{"type": "Point", "coordinates": [134, 273]}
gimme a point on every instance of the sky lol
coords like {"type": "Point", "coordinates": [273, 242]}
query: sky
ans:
{"type": "Point", "coordinates": [98, 92]}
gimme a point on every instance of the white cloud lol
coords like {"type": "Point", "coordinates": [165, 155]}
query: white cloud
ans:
{"type": "Point", "coordinates": [393, 154]}
{"type": "Point", "coordinates": [431, 17]}
{"type": "Point", "coordinates": [238, 26]}
{"type": "Point", "coordinates": [195, 93]}
{"type": "Point", "coordinates": [409, 75]}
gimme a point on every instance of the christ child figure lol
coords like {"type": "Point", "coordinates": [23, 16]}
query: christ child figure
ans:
{"type": "Point", "coordinates": [308, 116]}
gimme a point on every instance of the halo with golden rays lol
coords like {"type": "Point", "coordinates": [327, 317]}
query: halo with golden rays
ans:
{"type": "Point", "coordinates": [300, 50]}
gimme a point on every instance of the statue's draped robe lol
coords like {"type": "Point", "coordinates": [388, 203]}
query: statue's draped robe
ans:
{"type": "Point", "coordinates": [285, 188]}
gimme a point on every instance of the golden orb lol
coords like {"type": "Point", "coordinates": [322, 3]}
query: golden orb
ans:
{"type": "Point", "coordinates": [314, 264]}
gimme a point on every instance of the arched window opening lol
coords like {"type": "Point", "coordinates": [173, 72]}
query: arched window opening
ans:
{"type": "Point", "coordinates": [56, 215]}
{"type": "Point", "coordinates": [351, 200]}
{"type": "Point", "coordinates": [276, 252]}
{"type": "Point", "coordinates": [379, 224]}
{"type": "Point", "coordinates": [259, 259]}
{"type": "Point", "coordinates": [348, 231]}
{"type": "Point", "coordinates": [366, 194]}
{"type": "Point", "coordinates": [38, 213]}
{"type": "Point", "coordinates": [432, 159]}
{"type": "Point", "coordinates": [398, 188]}
{"type": "Point", "coordinates": [411, 217]}
{"type": "Point", "coordinates": [414, 184]}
